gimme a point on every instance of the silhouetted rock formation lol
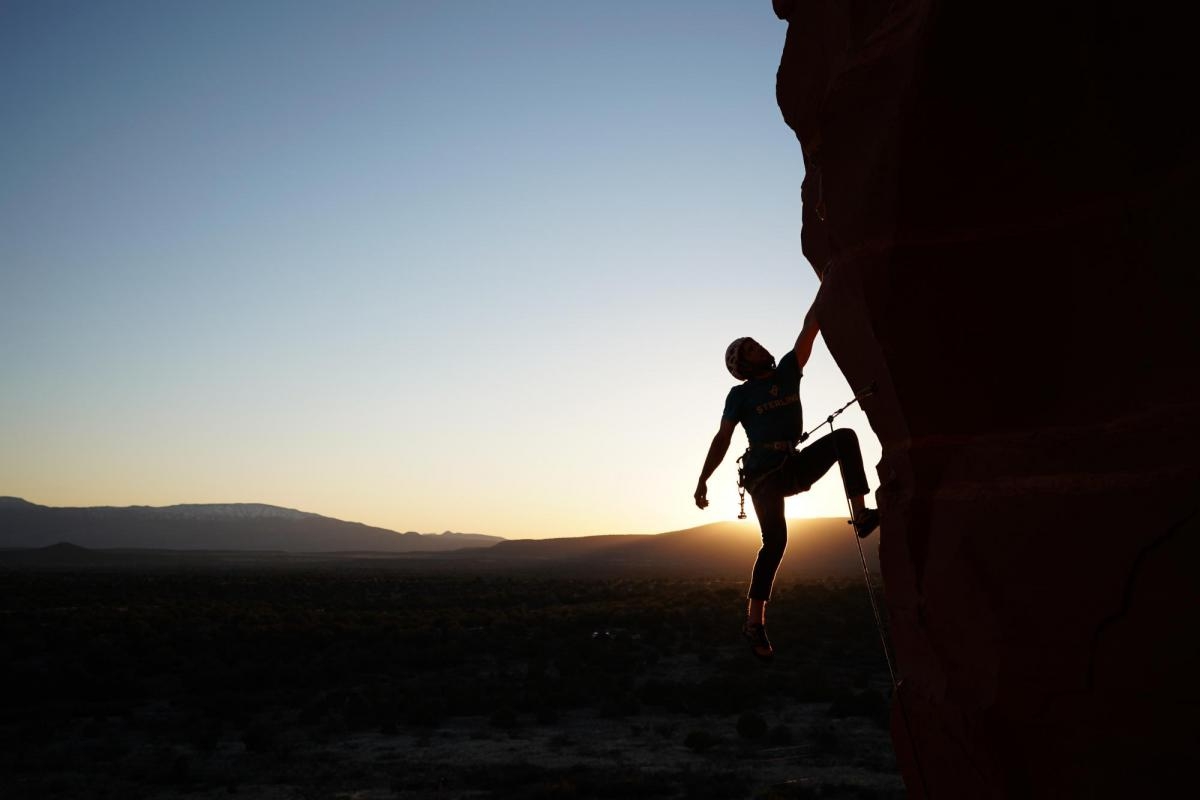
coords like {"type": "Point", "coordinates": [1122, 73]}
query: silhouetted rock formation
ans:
{"type": "Point", "coordinates": [1001, 202]}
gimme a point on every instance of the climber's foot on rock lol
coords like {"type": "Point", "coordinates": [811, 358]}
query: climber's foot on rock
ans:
{"type": "Point", "coordinates": [865, 522]}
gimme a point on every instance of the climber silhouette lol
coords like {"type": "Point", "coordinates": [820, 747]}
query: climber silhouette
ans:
{"type": "Point", "coordinates": [767, 404]}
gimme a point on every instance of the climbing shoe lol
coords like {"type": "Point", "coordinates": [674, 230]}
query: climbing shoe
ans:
{"type": "Point", "coordinates": [760, 645]}
{"type": "Point", "coordinates": [866, 522]}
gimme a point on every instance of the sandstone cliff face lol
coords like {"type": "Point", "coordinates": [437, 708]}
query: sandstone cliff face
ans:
{"type": "Point", "coordinates": [1001, 201]}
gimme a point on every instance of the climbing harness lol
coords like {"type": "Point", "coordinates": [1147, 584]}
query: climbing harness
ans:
{"type": "Point", "coordinates": [744, 479]}
{"type": "Point", "coordinates": [746, 482]}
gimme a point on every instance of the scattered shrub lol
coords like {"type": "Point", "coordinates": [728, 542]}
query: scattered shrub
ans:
{"type": "Point", "coordinates": [259, 737]}
{"type": "Point", "coordinates": [780, 736]}
{"type": "Point", "coordinates": [700, 741]}
{"type": "Point", "coordinates": [751, 726]}
{"type": "Point", "coordinates": [826, 739]}
{"type": "Point", "coordinates": [504, 718]}
{"type": "Point", "coordinates": [868, 704]}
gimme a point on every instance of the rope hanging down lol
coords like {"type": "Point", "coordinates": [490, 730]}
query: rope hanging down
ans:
{"type": "Point", "coordinates": [887, 651]}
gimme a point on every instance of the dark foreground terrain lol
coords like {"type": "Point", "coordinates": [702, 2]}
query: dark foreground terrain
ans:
{"type": "Point", "coordinates": [319, 682]}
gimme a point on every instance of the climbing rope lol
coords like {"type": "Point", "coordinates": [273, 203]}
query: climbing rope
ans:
{"type": "Point", "coordinates": [887, 651]}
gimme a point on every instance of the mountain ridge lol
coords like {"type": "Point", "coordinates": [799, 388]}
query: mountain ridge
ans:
{"type": "Point", "coordinates": [821, 547]}
{"type": "Point", "coordinates": [209, 526]}
{"type": "Point", "coordinates": [269, 535]}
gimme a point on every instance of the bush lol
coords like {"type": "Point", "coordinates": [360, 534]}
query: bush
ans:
{"type": "Point", "coordinates": [203, 733]}
{"type": "Point", "coordinates": [504, 718]}
{"type": "Point", "coordinates": [259, 737]}
{"type": "Point", "coordinates": [826, 739]}
{"type": "Point", "coordinates": [868, 704]}
{"type": "Point", "coordinates": [780, 735]}
{"type": "Point", "coordinates": [751, 726]}
{"type": "Point", "coordinates": [727, 786]}
{"type": "Point", "coordinates": [699, 741]}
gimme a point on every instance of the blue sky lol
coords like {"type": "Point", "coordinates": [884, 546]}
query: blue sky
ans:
{"type": "Point", "coordinates": [429, 266]}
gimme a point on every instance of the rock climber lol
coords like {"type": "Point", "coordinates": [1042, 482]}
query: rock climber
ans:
{"type": "Point", "coordinates": [767, 404]}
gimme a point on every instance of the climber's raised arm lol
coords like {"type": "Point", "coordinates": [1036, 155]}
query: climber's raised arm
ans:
{"type": "Point", "coordinates": [808, 334]}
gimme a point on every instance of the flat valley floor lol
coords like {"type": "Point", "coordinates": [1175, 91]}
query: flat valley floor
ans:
{"type": "Point", "coordinates": [364, 683]}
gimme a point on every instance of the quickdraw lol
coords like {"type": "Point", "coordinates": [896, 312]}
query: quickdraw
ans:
{"type": "Point", "coordinates": [741, 488]}
{"type": "Point", "coordinates": [756, 480]}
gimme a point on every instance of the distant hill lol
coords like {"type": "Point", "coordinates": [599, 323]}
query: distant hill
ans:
{"type": "Point", "coordinates": [226, 526]}
{"type": "Point", "coordinates": [816, 548]}
{"type": "Point", "coordinates": [252, 534]}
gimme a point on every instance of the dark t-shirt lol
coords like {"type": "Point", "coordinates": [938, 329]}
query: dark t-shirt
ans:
{"type": "Point", "coordinates": [768, 409]}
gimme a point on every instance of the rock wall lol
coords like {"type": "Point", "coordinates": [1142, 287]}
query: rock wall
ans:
{"type": "Point", "coordinates": [1000, 200]}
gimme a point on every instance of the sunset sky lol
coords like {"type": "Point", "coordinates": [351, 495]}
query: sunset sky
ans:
{"type": "Point", "coordinates": [430, 266]}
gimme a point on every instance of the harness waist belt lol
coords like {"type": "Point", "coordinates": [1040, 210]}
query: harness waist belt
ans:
{"type": "Point", "coordinates": [781, 445]}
